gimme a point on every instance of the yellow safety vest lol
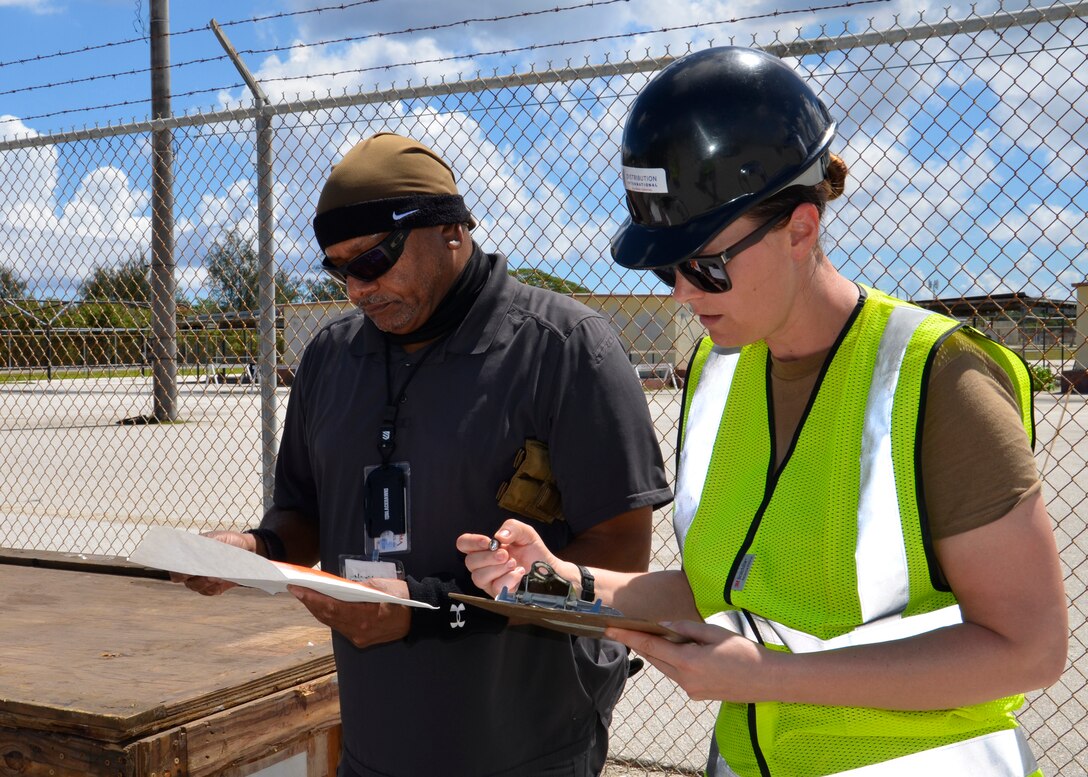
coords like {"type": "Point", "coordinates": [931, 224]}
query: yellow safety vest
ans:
{"type": "Point", "coordinates": [832, 550]}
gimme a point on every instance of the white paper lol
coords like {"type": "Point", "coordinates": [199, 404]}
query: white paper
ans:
{"type": "Point", "coordinates": [186, 553]}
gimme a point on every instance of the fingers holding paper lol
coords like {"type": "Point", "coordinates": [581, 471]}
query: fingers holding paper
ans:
{"type": "Point", "coordinates": [213, 586]}
{"type": "Point", "coordinates": [501, 561]}
{"type": "Point", "coordinates": [207, 586]}
{"type": "Point", "coordinates": [362, 623]}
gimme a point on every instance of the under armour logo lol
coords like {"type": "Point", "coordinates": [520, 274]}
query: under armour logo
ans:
{"type": "Point", "coordinates": [457, 610]}
{"type": "Point", "coordinates": [399, 216]}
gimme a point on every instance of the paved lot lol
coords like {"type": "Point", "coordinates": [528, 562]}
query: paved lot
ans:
{"type": "Point", "coordinates": [74, 480]}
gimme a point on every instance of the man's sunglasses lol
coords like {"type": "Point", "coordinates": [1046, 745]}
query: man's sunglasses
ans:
{"type": "Point", "coordinates": [372, 263]}
{"type": "Point", "coordinates": [708, 272]}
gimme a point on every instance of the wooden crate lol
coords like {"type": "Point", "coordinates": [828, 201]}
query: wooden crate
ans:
{"type": "Point", "coordinates": [110, 671]}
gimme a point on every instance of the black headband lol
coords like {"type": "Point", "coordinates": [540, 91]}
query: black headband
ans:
{"type": "Point", "coordinates": [369, 218]}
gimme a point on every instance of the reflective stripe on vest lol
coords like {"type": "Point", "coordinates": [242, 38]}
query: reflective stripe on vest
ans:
{"type": "Point", "coordinates": [702, 418]}
{"type": "Point", "coordinates": [881, 556]}
{"type": "Point", "coordinates": [1001, 754]}
{"type": "Point", "coordinates": [756, 628]}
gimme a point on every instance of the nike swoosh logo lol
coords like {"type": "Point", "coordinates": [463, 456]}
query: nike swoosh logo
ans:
{"type": "Point", "coordinates": [399, 216]}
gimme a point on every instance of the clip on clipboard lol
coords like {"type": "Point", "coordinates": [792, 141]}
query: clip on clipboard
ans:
{"type": "Point", "coordinates": [545, 599]}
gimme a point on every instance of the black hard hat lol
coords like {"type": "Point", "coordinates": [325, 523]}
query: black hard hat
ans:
{"type": "Point", "coordinates": [713, 134]}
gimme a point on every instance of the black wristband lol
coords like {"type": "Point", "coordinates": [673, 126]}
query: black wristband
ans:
{"type": "Point", "coordinates": [272, 543]}
{"type": "Point", "coordinates": [588, 593]}
{"type": "Point", "coordinates": [452, 619]}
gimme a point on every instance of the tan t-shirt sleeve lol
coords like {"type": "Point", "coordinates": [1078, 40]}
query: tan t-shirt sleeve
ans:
{"type": "Point", "coordinates": [977, 462]}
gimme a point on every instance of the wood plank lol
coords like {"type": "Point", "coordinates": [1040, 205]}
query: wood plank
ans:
{"type": "Point", "coordinates": [117, 658]}
{"type": "Point", "coordinates": [229, 743]}
{"type": "Point", "coordinates": [80, 562]}
{"type": "Point", "coordinates": [29, 753]}
{"type": "Point", "coordinates": [265, 730]}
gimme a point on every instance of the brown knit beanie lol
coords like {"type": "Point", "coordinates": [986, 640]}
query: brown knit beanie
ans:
{"type": "Point", "coordinates": [387, 182]}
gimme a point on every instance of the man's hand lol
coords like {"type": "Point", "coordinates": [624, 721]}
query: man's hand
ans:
{"type": "Point", "coordinates": [363, 624]}
{"type": "Point", "coordinates": [213, 586]}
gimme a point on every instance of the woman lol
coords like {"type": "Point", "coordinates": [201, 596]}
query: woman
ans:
{"type": "Point", "coordinates": [870, 579]}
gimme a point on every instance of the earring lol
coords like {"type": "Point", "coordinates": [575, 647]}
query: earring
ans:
{"type": "Point", "coordinates": [454, 243]}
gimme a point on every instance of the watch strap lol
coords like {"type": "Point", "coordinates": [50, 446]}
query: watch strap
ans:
{"type": "Point", "coordinates": [588, 593]}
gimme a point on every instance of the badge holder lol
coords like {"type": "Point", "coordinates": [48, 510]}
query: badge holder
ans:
{"type": "Point", "coordinates": [386, 509]}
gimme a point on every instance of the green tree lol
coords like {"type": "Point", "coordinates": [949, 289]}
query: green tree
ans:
{"type": "Point", "coordinates": [233, 271]}
{"type": "Point", "coordinates": [130, 282]}
{"type": "Point", "coordinates": [11, 285]}
{"type": "Point", "coordinates": [534, 277]}
{"type": "Point", "coordinates": [325, 290]}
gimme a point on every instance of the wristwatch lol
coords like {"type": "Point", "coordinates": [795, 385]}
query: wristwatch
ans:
{"type": "Point", "coordinates": [588, 594]}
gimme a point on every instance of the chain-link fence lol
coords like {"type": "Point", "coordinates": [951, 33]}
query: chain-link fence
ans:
{"type": "Point", "coordinates": [967, 144]}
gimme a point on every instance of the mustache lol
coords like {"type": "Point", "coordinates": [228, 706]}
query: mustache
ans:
{"type": "Point", "coordinates": [372, 299]}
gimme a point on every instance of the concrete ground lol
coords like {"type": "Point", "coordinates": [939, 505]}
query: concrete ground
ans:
{"type": "Point", "coordinates": [74, 480]}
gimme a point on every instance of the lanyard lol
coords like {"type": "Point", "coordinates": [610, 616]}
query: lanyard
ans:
{"type": "Point", "coordinates": [387, 432]}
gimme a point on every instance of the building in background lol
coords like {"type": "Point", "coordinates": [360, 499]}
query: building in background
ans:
{"type": "Point", "coordinates": [658, 333]}
{"type": "Point", "coordinates": [1035, 327]}
{"type": "Point", "coordinates": [1076, 379]}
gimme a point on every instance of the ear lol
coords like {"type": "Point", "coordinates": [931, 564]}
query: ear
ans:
{"type": "Point", "coordinates": [804, 229]}
{"type": "Point", "coordinates": [453, 235]}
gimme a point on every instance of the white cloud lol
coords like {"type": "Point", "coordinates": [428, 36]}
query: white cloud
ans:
{"type": "Point", "coordinates": [102, 223]}
{"type": "Point", "coordinates": [105, 207]}
{"type": "Point", "coordinates": [35, 6]}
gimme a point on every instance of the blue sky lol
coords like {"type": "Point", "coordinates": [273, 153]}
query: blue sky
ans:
{"type": "Point", "coordinates": [955, 188]}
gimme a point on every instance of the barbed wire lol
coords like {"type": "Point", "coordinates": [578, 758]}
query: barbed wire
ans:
{"type": "Point", "coordinates": [449, 58]}
{"type": "Point", "coordinates": [10, 119]}
{"type": "Point", "coordinates": [595, 39]}
{"type": "Point", "coordinates": [434, 27]}
{"type": "Point", "coordinates": [202, 28]}
{"type": "Point", "coordinates": [353, 39]}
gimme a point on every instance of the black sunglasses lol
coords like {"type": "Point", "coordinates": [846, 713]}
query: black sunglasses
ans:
{"type": "Point", "coordinates": [372, 263]}
{"type": "Point", "coordinates": [708, 272]}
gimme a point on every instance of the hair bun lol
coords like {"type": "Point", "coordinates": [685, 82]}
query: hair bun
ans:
{"type": "Point", "coordinates": [836, 176]}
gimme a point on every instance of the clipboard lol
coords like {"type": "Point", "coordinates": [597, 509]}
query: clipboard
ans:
{"type": "Point", "coordinates": [576, 622]}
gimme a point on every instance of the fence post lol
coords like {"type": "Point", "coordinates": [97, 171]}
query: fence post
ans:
{"type": "Point", "coordinates": [164, 368]}
{"type": "Point", "coordinates": [267, 294]}
{"type": "Point", "coordinates": [266, 273]}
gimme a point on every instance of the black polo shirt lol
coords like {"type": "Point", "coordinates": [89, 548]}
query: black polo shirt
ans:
{"type": "Point", "coordinates": [525, 363]}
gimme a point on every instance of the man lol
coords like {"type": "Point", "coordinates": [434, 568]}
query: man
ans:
{"type": "Point", "coordinates": [403, 424]}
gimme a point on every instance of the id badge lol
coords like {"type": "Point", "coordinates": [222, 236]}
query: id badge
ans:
{"type": "Point", "coordinates": [386, 510]}
{"type": "Point", "coordinates": [360, 568]}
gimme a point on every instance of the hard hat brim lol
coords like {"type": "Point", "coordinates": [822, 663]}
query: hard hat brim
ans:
{"type": "Point", "coordinates": [643, 247]}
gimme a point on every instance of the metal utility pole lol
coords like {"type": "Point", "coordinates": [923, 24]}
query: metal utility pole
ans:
{"type": "Point", "coordinates": [164, 344]}
{"type": "Point", "coordinates": [266, 273]}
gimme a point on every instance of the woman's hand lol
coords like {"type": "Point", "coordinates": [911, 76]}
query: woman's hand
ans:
{"type": "Point", "coordinates": [517, 546]}
{"type": "Point", "coordinates": [716, 665]}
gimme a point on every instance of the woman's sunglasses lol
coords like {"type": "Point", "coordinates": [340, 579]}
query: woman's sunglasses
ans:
{"type": "Point", "coordinates": [708, 272]}
{"type": "Point", "coordinates": [372, 263]}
